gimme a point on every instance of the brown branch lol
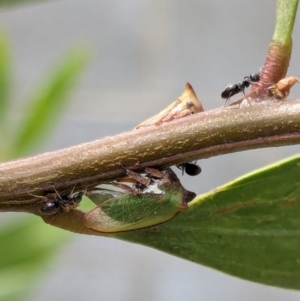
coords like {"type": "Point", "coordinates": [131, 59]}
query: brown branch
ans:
{"type": "Point", "coordinates": [263, 124]}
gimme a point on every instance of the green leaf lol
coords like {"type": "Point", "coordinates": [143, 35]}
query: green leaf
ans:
{"type": "Point", "coordinates": [26, 247]}
{"type": "Point", "coordinates": [249, 228]}
{"type": "Point", "coordinates": [47, 104]}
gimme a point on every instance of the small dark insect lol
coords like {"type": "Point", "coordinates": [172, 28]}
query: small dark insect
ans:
{"type": "Point", "coordinates": [55, 202]}
{"type": "Point", "coordinates": [233, 89]}
{"type": "Point", "coordinates": [50, 208]}
{"type": "Point", "coordinates": [191, 168]}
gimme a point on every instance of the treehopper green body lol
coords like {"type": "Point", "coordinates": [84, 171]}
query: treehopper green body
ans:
{"type": "Point", "coordinates": [118, 212]}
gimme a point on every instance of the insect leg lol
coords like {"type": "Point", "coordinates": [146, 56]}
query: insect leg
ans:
{"type": "Point", "coordinates": [127, 188]}
{"type": "Point", "coordinates": [137, 177]}
{"type": "Point", "coordinates": [154, 173]}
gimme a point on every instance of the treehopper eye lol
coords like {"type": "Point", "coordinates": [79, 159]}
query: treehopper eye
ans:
{"type": "Point", "coordinates": [127, 211]}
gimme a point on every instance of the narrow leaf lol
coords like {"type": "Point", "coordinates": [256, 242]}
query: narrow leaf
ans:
{"type": "Point", "coordinates": [47, 103]}
{"type": "Point", "coordinates": [25, 250]}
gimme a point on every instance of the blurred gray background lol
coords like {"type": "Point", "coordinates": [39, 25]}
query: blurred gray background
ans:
{"type": "Point", "coordinates": [143, 54]}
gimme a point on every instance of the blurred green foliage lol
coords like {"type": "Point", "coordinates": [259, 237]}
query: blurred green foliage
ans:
{"type": "Point", "coordinates": [46, 104]}
{"type": "Point", "coordinates": [24, 250]}
{"type": "Point", "coordinates": [5, 3]}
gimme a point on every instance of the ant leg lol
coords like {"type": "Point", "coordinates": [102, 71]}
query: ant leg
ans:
{"type": "Point", "coordinates": [182, 166]}
{"type": "Point", "coordinates": [38, 196]}
{"type": "Point", "coordinates": [227, 101]}
{"type": "Point", "coordinates": [245, 97]}
{"type": "Point", "coordinates": [72, 191]}
{"type": "Point", "coordinates": [57, 194]}
{"type": "Point", "coordinates": [48, 196]}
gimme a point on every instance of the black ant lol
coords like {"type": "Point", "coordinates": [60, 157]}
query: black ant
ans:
{"type": "Point", "coordinates": [233, 89]}
{"type": "Point", "coordinates": [191, 168]}
{"type": "Point", "coordinates": [55, 202]}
